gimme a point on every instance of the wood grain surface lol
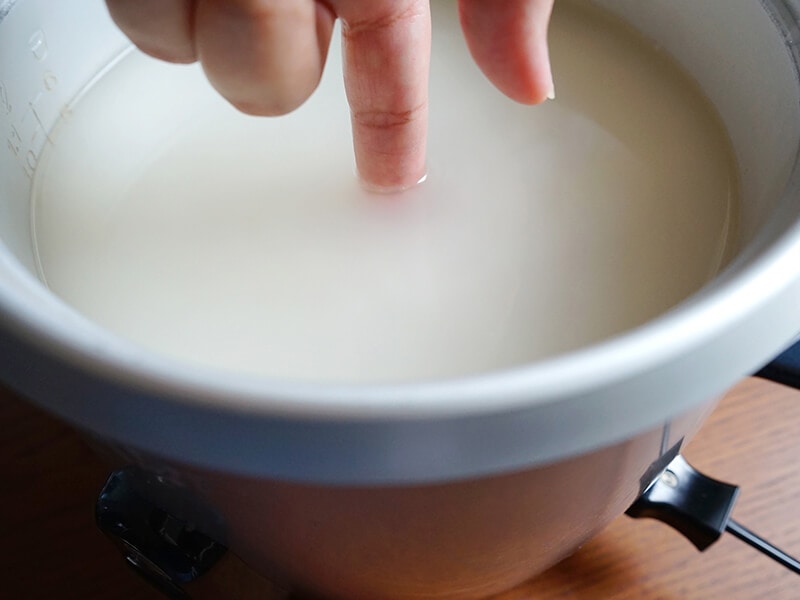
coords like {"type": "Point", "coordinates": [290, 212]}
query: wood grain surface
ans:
{"type": "Point", "coordinates": [50, 548]}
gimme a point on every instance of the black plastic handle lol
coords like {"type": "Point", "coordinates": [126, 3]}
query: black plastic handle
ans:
{"type": "Point", "coordinates": [166, 551]}
{"type": "Point", "coordinates": [700, 507]}
{"type": "Point", "coordinates": [785, 368]}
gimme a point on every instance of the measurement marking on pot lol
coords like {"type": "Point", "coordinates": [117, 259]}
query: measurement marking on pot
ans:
{"type": "Point", "coordinates": [39, 122]}
{"type": "Point", "coordinates": [38, 45]}
{"type": "Point", "coordinates": [14, 141]}
{"type": "Point", "coordinates": [25, 146]}
{"type": "Point", "coordinates": [4, 102]}
{"type": "Point", "coordinates": [28, 134]}
{"type": "Point", "coordinates": [50, 81]}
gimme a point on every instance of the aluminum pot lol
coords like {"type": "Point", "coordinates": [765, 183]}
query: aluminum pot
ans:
{"type": "Point", "coordinates": [454, 488]}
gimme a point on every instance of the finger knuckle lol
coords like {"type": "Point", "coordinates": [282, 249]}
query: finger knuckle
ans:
{"type": "Point", "coordinates": [389, 119]}
{"type": "Point", "coordinates": [403, 12]}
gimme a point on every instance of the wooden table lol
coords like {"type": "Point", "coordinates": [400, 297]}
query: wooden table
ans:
{"type": "Point", "coordinates": [50, 548]}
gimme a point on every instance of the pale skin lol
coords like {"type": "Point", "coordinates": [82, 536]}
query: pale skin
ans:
{"type": "Point", "coordinates": [266, 57]}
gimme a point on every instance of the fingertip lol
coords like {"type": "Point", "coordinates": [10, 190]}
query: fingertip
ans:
{"type": "Point", "coordinates": [534, 89]}
{"type": "Point", "coordinates": [276, 106]}
{"type": "Point", "coordinates": [508, 41]}
{"type": "Point", "coordinates": [390, 185]}
{"type": "Point", "coordinates": [265, 59]}
{"type": "Point", "coordinates": [168, 54]}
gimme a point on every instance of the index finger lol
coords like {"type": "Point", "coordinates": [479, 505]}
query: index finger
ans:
{"type": "Point", "coordinates": [386, 62]}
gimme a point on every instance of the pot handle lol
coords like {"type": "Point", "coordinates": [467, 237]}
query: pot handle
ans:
{"type": "Point", "coordinates": [700, 507]}
{"type": "Point", "coordinates": [785, 369]}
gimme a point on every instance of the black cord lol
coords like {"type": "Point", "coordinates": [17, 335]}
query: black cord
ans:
{"type": "Point", "coordinates": [762, 545]}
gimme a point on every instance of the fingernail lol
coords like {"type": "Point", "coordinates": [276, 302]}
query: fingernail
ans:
{"type": "Point", "coordinates": [551, 95]}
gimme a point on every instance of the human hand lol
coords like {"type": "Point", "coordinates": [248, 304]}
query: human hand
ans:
{"type": "Point", "coordinates": [266, 57]}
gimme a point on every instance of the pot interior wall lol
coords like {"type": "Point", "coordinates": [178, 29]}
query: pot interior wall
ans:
{"type": "Point", "coordinates": [752, 84]}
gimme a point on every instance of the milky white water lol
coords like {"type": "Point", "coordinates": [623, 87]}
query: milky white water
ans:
{"type": "Point", "coordinates": [247, 244]}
